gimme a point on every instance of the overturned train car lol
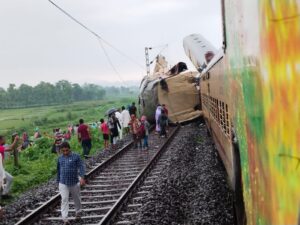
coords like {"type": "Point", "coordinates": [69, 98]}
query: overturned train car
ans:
{"type": "Point", "coordinates": [176, 89]}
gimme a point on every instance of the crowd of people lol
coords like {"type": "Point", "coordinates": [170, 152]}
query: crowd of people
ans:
{"type": "Point", "coordinates": [120, 122]}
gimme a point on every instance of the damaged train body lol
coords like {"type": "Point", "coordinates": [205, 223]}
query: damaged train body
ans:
{"type": "Point", "coordinates": [175, 88]}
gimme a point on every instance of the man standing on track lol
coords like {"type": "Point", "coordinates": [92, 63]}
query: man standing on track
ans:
{"type": "Point", "coordinates": [120, 129]}
{"type": "Point", "coordinates": [84, 137]}
{"type": "Point", "coordinates": [69, 168]}
{"type": "Point", "coordinates": [125, 120]}
{"type": "Point", "coordinates": [105, 131]}
{"type": "Point", "coordinates": [134, 126]}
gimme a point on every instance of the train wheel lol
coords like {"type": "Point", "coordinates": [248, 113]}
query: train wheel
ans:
{"type": "Point", "coordinates": [238, 199]}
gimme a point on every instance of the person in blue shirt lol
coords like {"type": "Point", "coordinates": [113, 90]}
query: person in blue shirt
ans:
{"type": "Point", "coordinates": [69, 168]}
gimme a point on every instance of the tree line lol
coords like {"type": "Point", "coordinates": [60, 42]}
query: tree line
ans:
{"type": "Point", "coordinates": [62, 92]}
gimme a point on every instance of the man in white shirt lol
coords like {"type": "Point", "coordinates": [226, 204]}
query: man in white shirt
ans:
{"type": "Point", "coordinates": [119, 117]}
{"type": "Point", "coordinates": [125, 120]}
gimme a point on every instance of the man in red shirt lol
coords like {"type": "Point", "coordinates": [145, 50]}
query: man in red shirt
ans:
{"type": "Point", "coordinates": [3, 149]}
{"type": "Point", "coordinates": [84, 137]}
{"type": "Point", "coordinates": [105, 131]}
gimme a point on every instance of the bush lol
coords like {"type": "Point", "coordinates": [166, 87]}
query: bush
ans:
{"type": "Point", "coordinates": [44, 143]}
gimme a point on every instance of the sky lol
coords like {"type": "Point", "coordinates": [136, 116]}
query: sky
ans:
{"type": "Point", "coordinates": [39, 43]}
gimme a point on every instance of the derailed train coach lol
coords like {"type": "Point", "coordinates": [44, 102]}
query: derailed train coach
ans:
{"type": "Point", "coordinates": [176, 88]}
{"type": "Point", "coordinates": [251, 104]}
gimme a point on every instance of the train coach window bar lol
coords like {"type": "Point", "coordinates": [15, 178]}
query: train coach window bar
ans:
{"type": "Point", "coordinates": [222, 116]}
{"type": "Point", "coordinates": [205, 101]}
{"type": "Point", "coordinates": [217, 110]}
{"type": "Point", "coordinates": [227, 121]}
{"type": "Point", "coordinates": [214, 108]}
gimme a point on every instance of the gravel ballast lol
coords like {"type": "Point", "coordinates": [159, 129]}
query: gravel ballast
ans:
{"type": "Point", "coordinates": [193, 189]}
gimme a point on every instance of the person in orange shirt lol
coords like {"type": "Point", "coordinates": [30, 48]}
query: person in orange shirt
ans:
{"type": "Point", "coordinates": [134, 125]}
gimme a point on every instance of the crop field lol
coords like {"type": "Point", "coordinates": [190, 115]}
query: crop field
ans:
{"type": "Point", "coordinates": [37, 164]}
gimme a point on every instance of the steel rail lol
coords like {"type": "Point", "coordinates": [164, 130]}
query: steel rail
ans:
{"type": "Point", "coordinates": [35, 214]}
{"type": "Point", "coordinates": [112, 213]}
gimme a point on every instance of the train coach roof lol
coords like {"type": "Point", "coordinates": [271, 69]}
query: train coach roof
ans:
{"type": "Point", "coordinates": [214, 60]}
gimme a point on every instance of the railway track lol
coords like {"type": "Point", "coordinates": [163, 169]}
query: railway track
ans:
{"type": "Point", "coordinates": [110, 189]}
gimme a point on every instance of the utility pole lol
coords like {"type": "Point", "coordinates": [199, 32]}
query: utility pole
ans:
{"type": "Point", "coordinates": [147, 60]}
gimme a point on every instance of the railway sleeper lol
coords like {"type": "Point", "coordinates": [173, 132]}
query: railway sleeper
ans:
{"type": "Point", "coordinates": [105, 186]}
{"type": "Point", "coordinates": [129, 164]}
{"type": "Point", "coordinates": [130, 215]}
{"type": "Point", "coordinates": [142, 193]}
{"type": "Point", "coordinates": [105, 209]}
{"type": "Point", "coordinates": [100, 181]}
{"type": "Point", "coordinates": [116, 177]}
{"type": "Point", "coordinates": [131, 173]}
{"type": "Point", "coordinates": [113, 196]}
{"type": "Point", "coordinates": [103, 191]}
{"type": "Point", "coordinates": [125, 170]}
{"type": "Point", "coordinates": [97, 217]}
{"type": "Point", "coordinates": [146, 187]}
{"type": "Point", "coordinates": [124, 222]}
{"type": "Point", "coordinates": [95, 202]}
{"type": "Point", "coordinates": [137, 200]}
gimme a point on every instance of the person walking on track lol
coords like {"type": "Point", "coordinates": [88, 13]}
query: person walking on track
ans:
{"type": "Point", "coordinates": [125, 120]}
{"type": "Point", "coordinates": [162, 119]}
{"type": "Point", "coordinates": [69, 168]}
{"type": "Point", "coordinates": [146, 125]}
{"type": "Point", "coordinates": [105, 131]}
{"type": "Point", "coordinates": [84, 137]}
{"type": "Point", "coordinates": [134, 124]}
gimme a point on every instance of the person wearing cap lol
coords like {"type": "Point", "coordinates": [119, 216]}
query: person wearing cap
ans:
{"type": "Point", "coordinates": [69, 168]}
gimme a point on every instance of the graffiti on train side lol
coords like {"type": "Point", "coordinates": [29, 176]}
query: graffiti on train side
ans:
{"type": "Point", "coordinates": [263, 66]}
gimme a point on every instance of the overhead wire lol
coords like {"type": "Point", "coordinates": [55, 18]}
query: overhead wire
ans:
{"type": "Point", "coordinates": [100, 40]}
{"type": "Point", "coordinates": [164, 47]}
{"type": "Point", "coordinates": [109, 60]}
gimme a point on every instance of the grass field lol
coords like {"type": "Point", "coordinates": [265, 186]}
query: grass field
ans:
{"type": "Point", "coordinates": [37, 163]}
{"type": "Point", "coordinates": [48, 117]}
